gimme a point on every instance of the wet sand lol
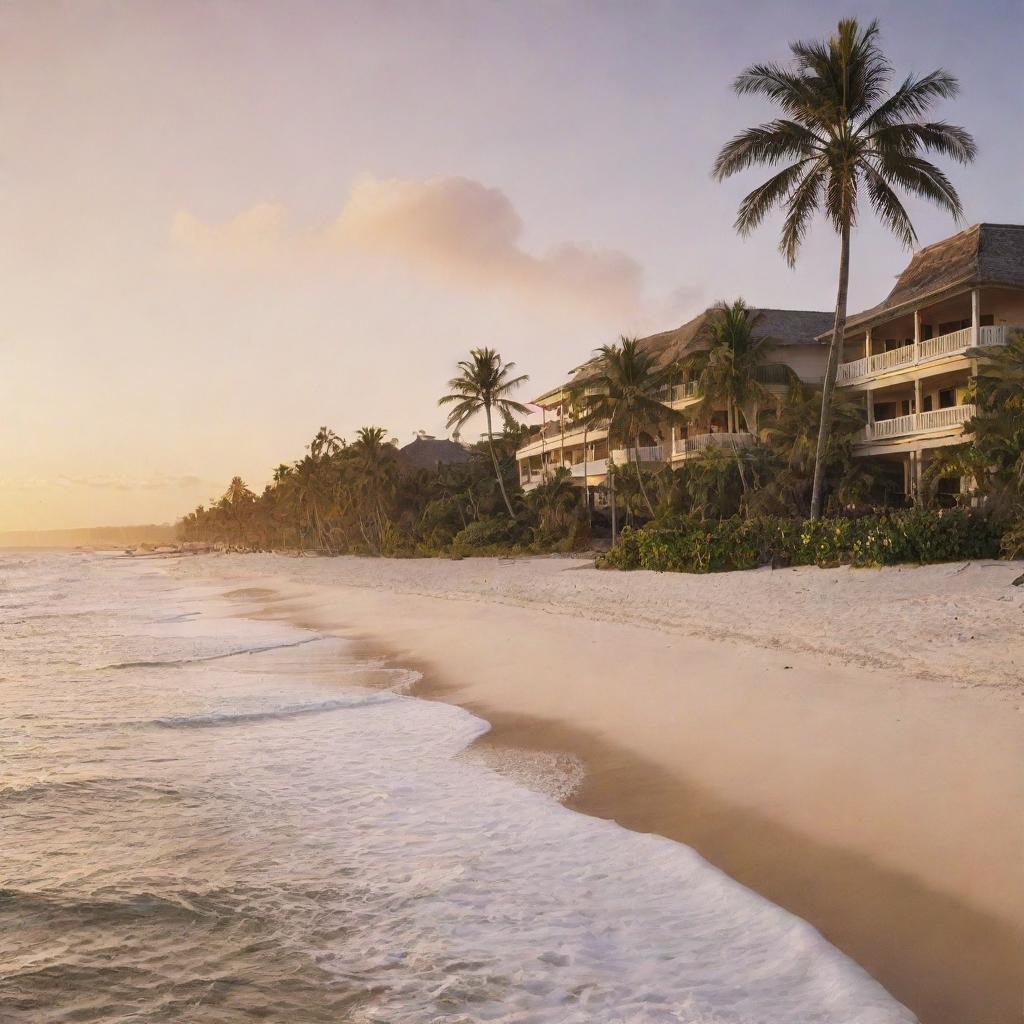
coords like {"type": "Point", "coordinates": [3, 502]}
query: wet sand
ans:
{"type": "Point", "coordinates": [888, 816]}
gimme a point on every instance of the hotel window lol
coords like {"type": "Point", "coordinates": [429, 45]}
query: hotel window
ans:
{"type": "Point", "coordinates": [947, 398]}
{"type": "Point", "coordinates": [926, 403]}
{"type": "Point", "coordinates": [906, 406]}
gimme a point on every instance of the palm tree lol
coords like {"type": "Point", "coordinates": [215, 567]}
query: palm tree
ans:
{"type": "Point", "coordinates": [791, 431]}
{"type": "Point", "coordinates": [623, 386]}
{"type": "Point", "coordinates": [842, 130]}
{"type": "Point", "coordinates": [727, 371]}
{"type": "Point", "coordinates": [373, 477]}
{"type": "Point", "coordinates": [484, 383]}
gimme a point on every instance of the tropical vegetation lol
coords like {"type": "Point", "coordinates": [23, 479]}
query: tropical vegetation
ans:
{"type": "Point", "coordinates": [843, 138]}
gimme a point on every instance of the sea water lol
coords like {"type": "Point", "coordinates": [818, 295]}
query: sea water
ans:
{"type": "Point", "coordinates": [209, 819]}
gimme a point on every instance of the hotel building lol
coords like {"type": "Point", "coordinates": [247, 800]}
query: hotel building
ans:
{"type": "Point", "coordinates": [563, 440]}
{"type": "Point", "coordinates": [914, 354]}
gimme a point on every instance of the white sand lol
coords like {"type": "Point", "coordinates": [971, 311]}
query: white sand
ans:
{"type": "Point", "coordinates": [873, 712]}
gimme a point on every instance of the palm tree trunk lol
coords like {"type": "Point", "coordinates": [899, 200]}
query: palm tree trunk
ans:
{"type": "Point", "coordinates": [586, 485]}
{"type": "Point", "coordinates": [831, 370]}
{"type": "Point", "coordinates": [640, 476]}
{"type": "Point", "coordinates": [610, 483]}
{"type": "Point", "coordinates": [497, 468]}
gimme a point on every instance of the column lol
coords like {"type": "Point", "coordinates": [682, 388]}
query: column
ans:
{"type": "Point", "coordinates": [917, 398]}
{"type": "Point", "coordinates": [908, 486]}
{"type": "Point", "coordinates": [975, 317]}
{"type": "Point", "coordinates": [917, 336]}
{"type": "Point", "coordinates": [867, 343]}
{"type": "Point", "coordinates": [918, 475]}
{"type": "Point", "coordinates": [870, 398]}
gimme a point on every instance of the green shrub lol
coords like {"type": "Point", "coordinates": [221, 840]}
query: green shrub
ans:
{"type": "Point", "coordinates": [890, 538]}
{"type": "Point", "coordinates": [495, 532]}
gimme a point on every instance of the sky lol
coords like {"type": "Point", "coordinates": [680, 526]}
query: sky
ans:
{"type": "Point", "coordinates": [227, 223]}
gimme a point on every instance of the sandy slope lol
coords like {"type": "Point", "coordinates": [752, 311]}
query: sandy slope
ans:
{"type": "Point", "coordinates": [847, 742]}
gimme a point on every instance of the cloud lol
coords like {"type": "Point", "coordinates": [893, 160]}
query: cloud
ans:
{"type": "Point", "coordinates": [157, 482]}
{"type": "Point", "coordinates": [452, 229]}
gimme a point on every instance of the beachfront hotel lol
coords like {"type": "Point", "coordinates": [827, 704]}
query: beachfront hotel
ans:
{"type": "Point", "coordinates": [564, 440]}
{"type": "Point", "coordinates": [912, 356]}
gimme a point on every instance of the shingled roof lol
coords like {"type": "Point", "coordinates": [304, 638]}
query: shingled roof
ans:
{"type": "Point", "coordinates": [783, 326]}
{"type": "Point", "coordinates": [983, 254]}
{"type": "Point", "coordinates": [430, 452]}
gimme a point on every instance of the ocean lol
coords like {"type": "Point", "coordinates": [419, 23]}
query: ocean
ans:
{"type": "Point", "coordinates": [212, 819]}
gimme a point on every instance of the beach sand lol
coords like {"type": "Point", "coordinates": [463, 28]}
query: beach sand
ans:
{"type": "Point", "coordinates": [849, 743]}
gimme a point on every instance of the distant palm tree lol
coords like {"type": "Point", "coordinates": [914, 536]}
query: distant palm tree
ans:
{"type": "Point", "coordinates": [373, 479]}
{"type": "Point", "coordinates": [484, 384]}
{"type": "Point", "coordinates": [843, 130]}
{"type": "Point", "coordinates": [624, 386]}
{"type": "Point", "coordinates": [791, 431]}
{"type": "Point", "coordinates": [727, 371]}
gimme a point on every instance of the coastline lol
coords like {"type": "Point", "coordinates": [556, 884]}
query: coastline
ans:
{"type": "Point", "coordinates": [912, 878]}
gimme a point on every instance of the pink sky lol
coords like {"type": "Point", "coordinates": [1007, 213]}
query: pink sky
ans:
{"type": "Point", "coordinates": [227, 223]}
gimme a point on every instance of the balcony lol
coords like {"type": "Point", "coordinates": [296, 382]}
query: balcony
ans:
{"type": "Point", "coordinates": [953, 344]}
{"type": "Point", "coordinates": [689, 447]}
{"type": "Point", "coordinates": [937, 421]}
{"type": "Point", "coordinates": [653, 453]}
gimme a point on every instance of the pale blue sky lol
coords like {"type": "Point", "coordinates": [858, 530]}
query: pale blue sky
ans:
{"type": "Point", "coordinates": [160, 339]}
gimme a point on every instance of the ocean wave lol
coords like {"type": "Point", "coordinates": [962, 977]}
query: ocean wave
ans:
{"type": "Point", "coordinates": [217, 718]}
{"type": "Point", "coordinates": [173, 662]}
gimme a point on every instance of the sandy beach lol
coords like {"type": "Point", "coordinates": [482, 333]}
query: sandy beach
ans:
{"type": "Point", "coordinates": [848, 743]}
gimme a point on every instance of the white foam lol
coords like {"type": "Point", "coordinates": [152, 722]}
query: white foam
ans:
{"type": "Point", "coordinates": [367, 844]}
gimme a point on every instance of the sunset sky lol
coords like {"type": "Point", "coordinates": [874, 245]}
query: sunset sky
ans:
{"type": "Point", "coordinates": [228, 222]}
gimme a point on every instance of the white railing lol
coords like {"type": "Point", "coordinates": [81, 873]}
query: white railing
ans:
{"type": "Point", "coordinates": [954, 343]}
{"type": "Point", "coordinates": [851, 371]}
{"type": "Point", "coordinates": [892, 359]}
{"type": "Point", "coordinates": [916, 423]}
{"type": "Point", "coordinates": [686, 447]}
{"type": "Point", "coordinates": [652, 453]}
{"type": "Point", "coordinates": [594, 467]}
{"type": "Point", "coordinates": [998, 335]}
{"type": "Point", "coordinates": [946, 344]}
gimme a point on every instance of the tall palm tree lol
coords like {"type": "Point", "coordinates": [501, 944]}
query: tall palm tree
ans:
{"type": "Point", "coordinates": [843, 133]}
{"type": "Point", "coordinates": [727, 371]}
{"type": "Point", "coordinates": [373, 477]}
{"type": "Point", "coordinates": [623, 386]}
{"type": "Point", "coordinates": [484, 384]}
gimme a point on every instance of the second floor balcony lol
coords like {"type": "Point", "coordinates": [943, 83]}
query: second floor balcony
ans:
{"type": "Point", "coordinates": [690, 447]}
{"type": "Point", "coordinates": [909, 356]}
{"type": "Point", "coordinates": [937, 421]}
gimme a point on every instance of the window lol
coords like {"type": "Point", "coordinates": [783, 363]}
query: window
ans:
{"type": "Point", "coordinates": [885, 410]}
{"type": "Point", "coordinates": [926, 403]}
{"type": "Point", "coordinates": [947, 398]}
{"type": "Point", "coordinates": [906, 406]}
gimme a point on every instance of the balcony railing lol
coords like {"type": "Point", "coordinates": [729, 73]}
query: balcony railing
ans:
{"type": "Point", "coordinates": [954, 343]}
{"type": "Point", "coordinates": [918, 423]}
{"type": "Point", "coordinates": [651, 453]}
{"type": "Point", "coordinates": [687, 447]}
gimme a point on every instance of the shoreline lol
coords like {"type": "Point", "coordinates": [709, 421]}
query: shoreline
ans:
{"type": "Point", "coordinates": [934, 948]}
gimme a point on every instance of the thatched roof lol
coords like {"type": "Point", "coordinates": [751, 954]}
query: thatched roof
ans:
{"type": "Point", "coordinates": [983, 254]}
{"type": "Point", "coordinates": [783, 326]}
{"type": "Point", "coordinates": [430, 452]}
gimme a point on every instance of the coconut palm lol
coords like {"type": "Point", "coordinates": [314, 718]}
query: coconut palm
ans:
{"type": "Point", "coordinates": [791, 431]}
{"type": "Point", "coordinates": [624, 387]}
{"type": "Point", "coordinates": [484, 384]}
{"type": "Point", "coordinates": [727, 371]}
{"type": "Point", "coordinates": [843, 135]}
{"type": "Point", "coordinates": [372, 477]}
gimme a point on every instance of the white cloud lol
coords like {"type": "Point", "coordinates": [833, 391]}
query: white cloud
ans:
{"type": "Point", "coordinates": [452, 229]}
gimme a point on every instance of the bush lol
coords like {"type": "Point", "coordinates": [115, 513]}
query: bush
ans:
{"type": "Point", "coordinates": [889, 538]}
{"type": "Point", "coordinates": [485, 535]}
